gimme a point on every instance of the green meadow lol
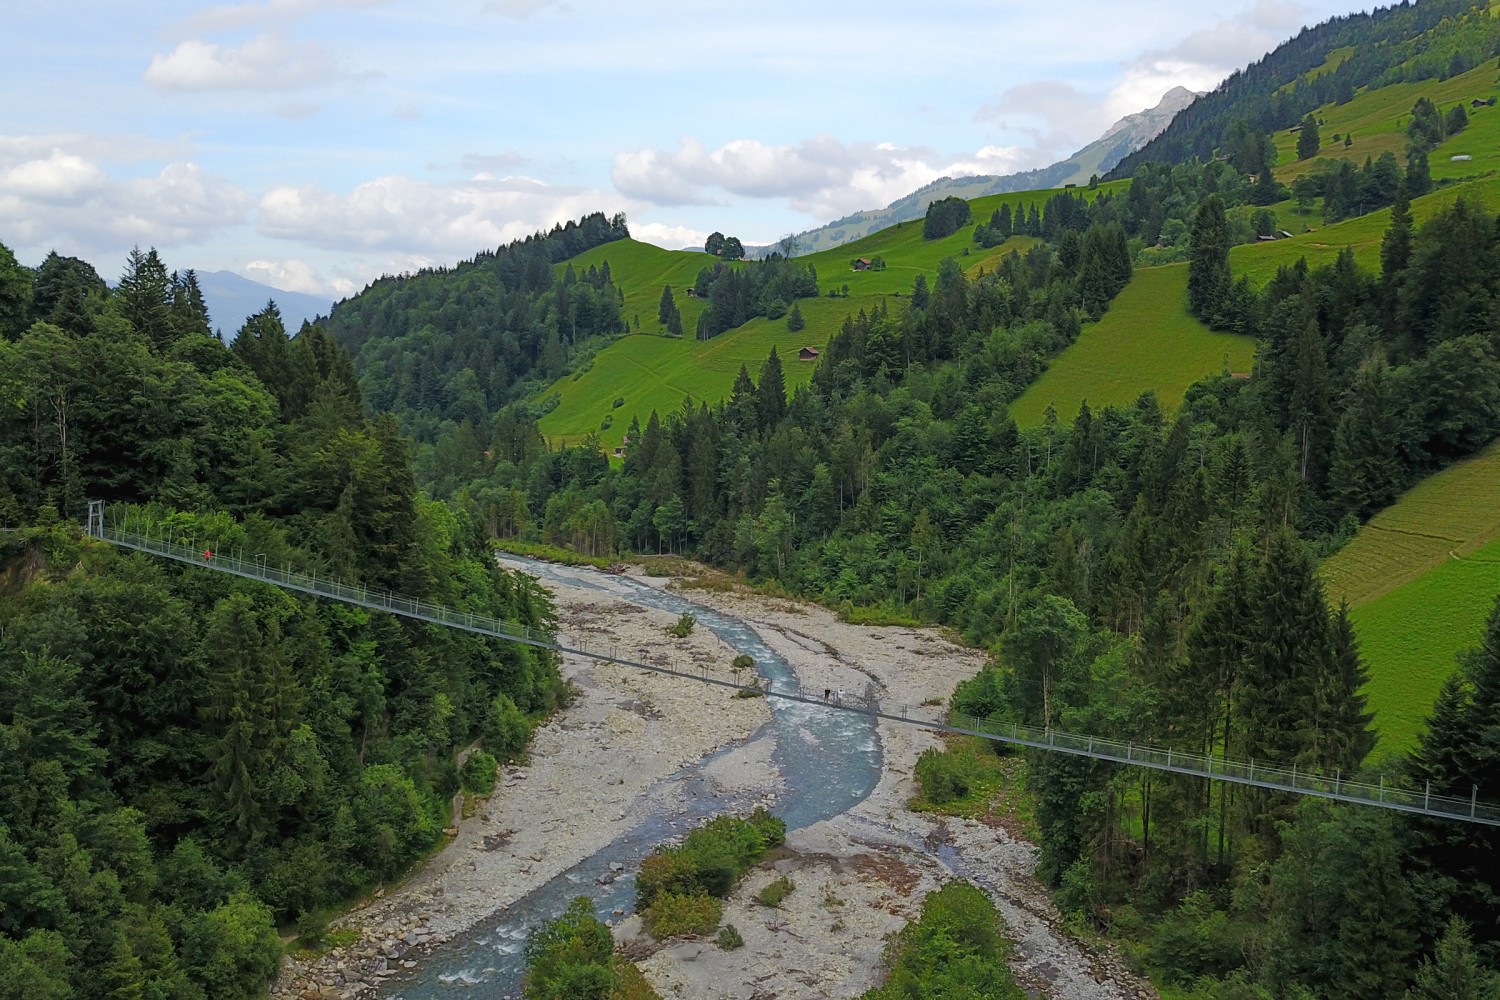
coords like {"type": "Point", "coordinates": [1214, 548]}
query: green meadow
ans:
{"type": "Point", "coordinates": [1412, 636]}
{"type": "Point", "coordinates": [653, 372]}
{"type": "Point", "coordinates": [1421, 578]}
{"type": "Point", "coordinates": [1147, 340]}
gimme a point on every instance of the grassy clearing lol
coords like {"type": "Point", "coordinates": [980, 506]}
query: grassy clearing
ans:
{"type": "Point", "coordinates": [656, 373]}
{"type": "Point", "coordinates": [1147, 340]}
{"type": "Point", "coordinates": [1259, 261]}
{"type": "Point", "coordinates": [992, 787]}
{"type": "Point", "coordinates": [1377, 120]}
{"type": "Point", "coordinates": [1455, 512]}
{"type": "Point", "coordinates": [652, 372]}
{"type": "Point", "coordinates": [1421, 578]}
{"type": "Point", "coordinates": [1412, 635]}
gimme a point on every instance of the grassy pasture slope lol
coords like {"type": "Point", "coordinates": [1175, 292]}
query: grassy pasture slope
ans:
{"type": "Point", "coordinates": [1377, 119]}
{"type": "Point", "coordinates": [1420, 579]}
{"type": "Point", "coordinates": [653, 372]}
{"type": "Point", "coordinates": [1259, 261]}
{"type": "Point", "coordinates": [1147, 340]}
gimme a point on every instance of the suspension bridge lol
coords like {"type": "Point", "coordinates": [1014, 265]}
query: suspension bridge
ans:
{"type": "Point", "coordinates": [163, 541]}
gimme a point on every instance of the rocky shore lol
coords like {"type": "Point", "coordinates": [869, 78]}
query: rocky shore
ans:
{"type": "Point", "coordinates": [859, 877]}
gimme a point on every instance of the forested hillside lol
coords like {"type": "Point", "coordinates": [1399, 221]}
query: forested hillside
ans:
{"type": "Point", "coordinates": [1407, 42]}
{"type": "Point", "coordinates": [1140, 578]}
{"type": "Point", "coordinates": [458, 343]}
{"type": "Point", "coordinates": [187, 760]}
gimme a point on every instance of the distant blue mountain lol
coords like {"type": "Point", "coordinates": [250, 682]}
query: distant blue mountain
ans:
{"type": "Point", "coordinates": [231, 298]}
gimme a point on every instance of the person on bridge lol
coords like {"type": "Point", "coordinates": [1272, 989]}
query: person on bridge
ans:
{"type": "Point", "coordinates": [207, 555]}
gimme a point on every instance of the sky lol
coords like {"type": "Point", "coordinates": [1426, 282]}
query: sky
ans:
{"type": "Point", "coordinates": [314, 145]}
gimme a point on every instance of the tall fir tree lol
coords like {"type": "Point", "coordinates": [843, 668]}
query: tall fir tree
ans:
{"type": "Point", "coordinates": [1208, 261]}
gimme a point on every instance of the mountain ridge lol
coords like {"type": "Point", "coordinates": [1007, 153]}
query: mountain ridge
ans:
{"type": "Point", "coordinates": [1124, 137]}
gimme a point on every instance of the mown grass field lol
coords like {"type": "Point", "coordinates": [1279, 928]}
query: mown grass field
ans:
{"type": "Point", "coordinates": [1377, 120]}
{"type": "Point", "coordinates": [1421, 578]}
{"type": "Point", "coordinates": [1259, 261]}
{"type": "Point", "coordinates": [1147, 340]}
{"type": "Point", "coordinates": [650, 371]}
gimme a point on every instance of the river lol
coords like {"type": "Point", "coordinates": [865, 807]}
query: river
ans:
{"type": "Point", "coordinates": [828, 761]}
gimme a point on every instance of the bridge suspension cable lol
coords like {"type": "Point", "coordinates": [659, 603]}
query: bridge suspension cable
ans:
{"type": "Point", "coordinates": [161, 541]}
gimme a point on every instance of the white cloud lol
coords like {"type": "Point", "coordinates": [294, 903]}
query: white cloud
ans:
{"type": "Point", "coordinates": [822, 176]}
{"type": "Point", "coordinates": [59, 179]}
{"type": "Point", "coordinates": [234, 16]}
{"type": "Point", "coordinates": [400, 213]}
{"type": "Point", "coordinates": [68, 201]}
{"type": "Point", "coordinates": [296, 110]}
{"type": "Point", "coordinates": [266, 62]}
{"type": "Point", "coordinates": [1204, 58]}
{"type": "Point", "coordinates": [290, 275]}
{"type": "Point", "coordinates": [669, 237]}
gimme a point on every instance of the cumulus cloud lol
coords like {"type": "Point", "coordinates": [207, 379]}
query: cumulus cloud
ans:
{"type": "Point", "coordinates": [822, 176]}
{"type": "Point", "coordinates": [268, 61]}
{"type": "Point", "coordinates": [447, 221]}
{"type": "Point", "coordinates": [66, 199]}
{"type": "Point", "coordinates": [669, 237]}
{"type": "Point", "coordinates": [290, 275]}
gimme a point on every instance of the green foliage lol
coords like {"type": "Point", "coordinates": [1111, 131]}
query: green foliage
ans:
{"type": "Point", "coordinates": [944, 779]}
{"type": "Point", "coordinates": [1308, 140]}
{"type": "Point", "coordinates": [773, 894]}
{"type": "Point", "coordinates": [710, 860]}
{"type": "Point", "coordinates": [672, 915]}
{"type": "Point", "coordinates": [478, 773]}
{"type": "Point", "coordinates": [684, 626]}
{"type": "Point", "coordinates": [569, 958]}
{"type": "Point", "coordinates": [729, 938]}
{"type": "Point", "coordinates": [957, 949]}
{"type": "Point", "coordinates": [945, 217]}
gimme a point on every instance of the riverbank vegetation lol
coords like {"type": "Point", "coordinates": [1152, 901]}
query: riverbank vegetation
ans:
{"type": "Point", "coordinates": [188, 760]}
{"type": "Point", "coordinates": [1144, 577]}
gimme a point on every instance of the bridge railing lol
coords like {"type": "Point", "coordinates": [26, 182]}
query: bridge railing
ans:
{"type": "Point", "coordinates": [1293, 779]}
{"type": "Point", "coordinates": [1180, 761]}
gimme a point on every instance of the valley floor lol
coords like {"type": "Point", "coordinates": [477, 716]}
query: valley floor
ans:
{"type": "Point", "coordinates": [859, 876]}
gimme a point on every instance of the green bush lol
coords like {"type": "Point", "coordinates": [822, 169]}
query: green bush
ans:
{"type": "Point", "coordinates": [710, 860]}
{"type": "Point", "coordinates": [744, 662]}
{"type": "Point", "coordinates": [571, 957]}
{"type": "Point", "coordinates": [673, 915]}
{"type": "Point", "coordinates": [729, 938]}
{"type": "Point", "coordinates": [684, 627]}
{"type": "Point", "coordinates": [1194, 941]}
{"type": "Point", "coordinates": [619, 402]}
{"type": "Point", "coordinates": [773, 894]}
{"type": "Point", "coordinates": [505, 731]}
{"type": "Point", "coordinates": [943, 777]}
{"type": "Point", "coordinates": [478, 774]}
{"type": "Point", "coordinates": [955, 949]}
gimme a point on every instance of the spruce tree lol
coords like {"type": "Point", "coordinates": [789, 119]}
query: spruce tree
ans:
{"type": "Point", "coordinates": [667, 306]}
{"type": "Point", "coordinates": [794, 320]}
{"type": "Point", "coordinates": [1308, 141]}
{"type": "Point", "coordinates": [1454, 972]}
{"type": "Point", "coordinates": [145, 294]}
{"type": "Point", "coordinates": [771, 393]}
{"type": "Point", "coordinates": [1395, 249]}
{"type": "Point", "coordinates": [1418, 169]}
{"type": "Point", "coordinates": [1208, 261]}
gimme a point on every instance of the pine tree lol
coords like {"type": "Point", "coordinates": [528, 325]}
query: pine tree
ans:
{"type": "Point", "coordinates": [1208, 261]}
{"type": "Point", "coordinates": [1461, 752]}
{"type": "Point", "coordinates": [1454, 972]}
{"type": "Point", "coordinates": [1418, 169]}
{"type": "Point", "coordinates": [771, 393]}
{"type": "Point", "coordinates": [667, 307]}
{"type": "Point", "coordinates": [1308, 140]}
{"type": "Point", "coordinates": [794, 320]}
{"type": "Point", "coordinates": [189, 313]}
{"type": "Point", "coordinates": [1341, 726]}
{"type": "Point", "coordinates": [1367, 472]}
{"type": "Point", "coordinates": [145, 294]}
